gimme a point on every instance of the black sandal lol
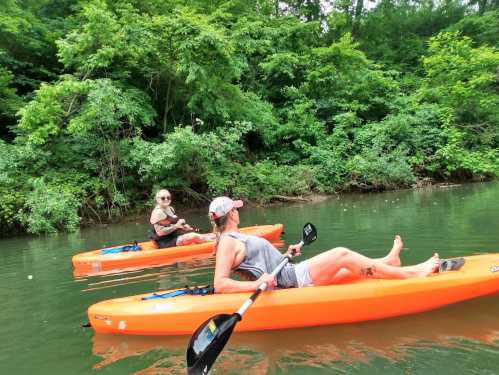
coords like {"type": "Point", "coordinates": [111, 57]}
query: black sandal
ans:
{"type": "Point", "coordinates": [451, 264]}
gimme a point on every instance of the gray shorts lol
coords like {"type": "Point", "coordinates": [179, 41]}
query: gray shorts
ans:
{"type": "Point", "coordinates": [303, 275]}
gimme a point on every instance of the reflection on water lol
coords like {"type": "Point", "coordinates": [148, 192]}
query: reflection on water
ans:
{"type": "Point", "coordinates": [173, 276]}
{"type": "Point", "coordinates": [319, 347]}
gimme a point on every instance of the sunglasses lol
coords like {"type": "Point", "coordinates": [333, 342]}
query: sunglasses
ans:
{"type": "Point", "coordinates": [165, 198]}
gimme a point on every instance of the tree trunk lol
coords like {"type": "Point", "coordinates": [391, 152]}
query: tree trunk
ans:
{"type": "Point", "coordinates": [482, 6]}
{"type": "Point", "coordinates": [167, 106]}
{"type": "Point", "coordinates": [359, 7]}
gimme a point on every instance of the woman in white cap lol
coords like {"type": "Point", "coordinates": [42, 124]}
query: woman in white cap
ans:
{"type": "Point", "coordinates": [169, 230]}
{"type": "Point", "coordinates": [254, 258]}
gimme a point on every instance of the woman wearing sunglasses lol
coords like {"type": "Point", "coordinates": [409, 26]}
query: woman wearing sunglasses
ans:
{"type": "Point", "coordinates": [169, 230]}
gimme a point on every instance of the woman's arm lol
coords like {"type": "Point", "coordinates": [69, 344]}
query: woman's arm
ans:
{"type": "Point", "coordinates": [157, 216]}
{"type": "Point", "coordinates": [163, 230]}
{"type": "Point", "coordinates": [226, 254]}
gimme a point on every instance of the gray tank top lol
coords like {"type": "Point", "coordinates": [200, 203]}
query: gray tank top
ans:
{"type": "Point", "coordinates": [261, 257]}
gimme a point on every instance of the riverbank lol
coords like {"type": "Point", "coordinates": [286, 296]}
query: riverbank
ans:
{"type": "Point", "coordinates": [141, 215]}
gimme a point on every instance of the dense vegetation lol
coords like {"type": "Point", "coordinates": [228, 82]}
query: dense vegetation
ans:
{"type": "Point", "coordinates": [103, 101]}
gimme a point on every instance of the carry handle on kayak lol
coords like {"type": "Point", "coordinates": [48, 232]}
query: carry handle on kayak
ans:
{"type": "Point", "coordinates": [208, 341]}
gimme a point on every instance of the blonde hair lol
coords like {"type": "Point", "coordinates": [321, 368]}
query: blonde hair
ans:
{"type": "Point", "coordinates": [218, 225]}
{"type": "Point", "coordinates": [160, 193]}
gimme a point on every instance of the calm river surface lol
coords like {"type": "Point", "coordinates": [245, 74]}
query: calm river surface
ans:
{"type": "Point", "coordinates": [43, 304]}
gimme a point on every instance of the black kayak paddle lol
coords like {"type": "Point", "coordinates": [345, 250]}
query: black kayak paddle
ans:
{"type": "Point", "coordinates": [210, 338]}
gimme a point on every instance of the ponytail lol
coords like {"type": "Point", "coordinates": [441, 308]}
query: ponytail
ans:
{"type": "Point", "coordinates": [219, 225]}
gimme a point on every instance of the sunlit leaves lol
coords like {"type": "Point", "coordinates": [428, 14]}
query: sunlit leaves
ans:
{"type": "Point", "coordinates": [50, 208]}
{"type": "Point", "coordinates": [463, 80]}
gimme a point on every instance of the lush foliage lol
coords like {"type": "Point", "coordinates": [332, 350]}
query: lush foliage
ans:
{"type": "Point", "coordinates": [102, 102]}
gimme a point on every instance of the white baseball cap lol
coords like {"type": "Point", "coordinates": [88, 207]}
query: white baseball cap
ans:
{"type": "Point", "coordinates": [221, 206]}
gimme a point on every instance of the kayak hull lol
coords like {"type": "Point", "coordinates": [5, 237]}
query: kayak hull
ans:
{"type": "Point", "coordinates": [301, 307]}
{"type": "Point", "coordinates": [91, 262]}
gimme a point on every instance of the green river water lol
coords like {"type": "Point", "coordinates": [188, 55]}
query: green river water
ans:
{"type": "Point", "coordinates": [43, 304]}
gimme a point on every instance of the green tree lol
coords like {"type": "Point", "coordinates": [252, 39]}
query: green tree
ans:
{"type": "Point", "coordinates": [463, 80]}
{"type": "Point", "coordinates": [483, 29]}
{"type": "Point", "coordinates": [85, 122]}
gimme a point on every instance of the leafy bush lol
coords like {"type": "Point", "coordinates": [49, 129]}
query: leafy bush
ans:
{"type": "Point", "coordinates": [262, 181]}
{"type": "Point", "coordinates": [185, 158]}
{"type": "Point", "coordinates": [11, 202]}
{"type": "Point", "coordinates": [483, 29]}
{"type": "Point", "coordinates": [374, 169]}
{"type": "Point", "coordinates": [467, 95]}
{"type": "Point", "coordinates": [214, 163]}
{"type": "Point", "coordinates": [328, 160]}
{"type": "Point", "coordinates": [50, 208]}
{"type": "Point", "coordinates": [9, 101]}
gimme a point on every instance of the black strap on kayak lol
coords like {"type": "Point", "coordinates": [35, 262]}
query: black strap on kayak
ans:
{"type": "Point", "coordinates": [194, 291]}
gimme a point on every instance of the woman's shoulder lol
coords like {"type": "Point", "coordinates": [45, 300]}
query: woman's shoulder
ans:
{"type": "Point", "coordinates": [235, 235]}
{"type": "Point", "coordinates": [157, 214]}
{"type": "Point", "coordinates": [227, 237]}
{"type": "Point", "coordinates": [226, 243]}
{"type": "Point", "coordinates": [232, 237]}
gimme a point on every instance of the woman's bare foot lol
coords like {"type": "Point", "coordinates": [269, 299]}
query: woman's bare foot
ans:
{"type": "Point", "coordinates": [393, 257]}
{"type": "Point", "coordinates": [426, 268]}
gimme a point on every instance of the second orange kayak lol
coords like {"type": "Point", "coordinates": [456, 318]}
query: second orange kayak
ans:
{"type": "Point", "coordinates": [149, 255]}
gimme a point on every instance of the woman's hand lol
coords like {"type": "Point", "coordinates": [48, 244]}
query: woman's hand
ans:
{"type": "Point", "coordinates": [180, 224]}
{"type": "Point", "coordinates": [269, 279]}
{"type": "Point", "coordinates": [187, 227]}
{"type": "Point", "coordinates": [294, 250]}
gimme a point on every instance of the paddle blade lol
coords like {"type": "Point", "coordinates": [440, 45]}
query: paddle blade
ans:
{"type": "Point", "coordinates": [309, 233]}
{"type": "Point", "coordinates": [208, 341]}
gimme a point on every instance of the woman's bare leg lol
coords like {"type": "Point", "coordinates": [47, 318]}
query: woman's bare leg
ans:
{"type": "Point", "coordinates": [193, 238]}
{"type": "Point", "coordinates": [324, 267]}
{"type": "Point", "coordinates": [393, 259]}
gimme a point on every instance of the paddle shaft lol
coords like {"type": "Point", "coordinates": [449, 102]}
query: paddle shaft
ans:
{"type": "Point", "coordinates": [263, 286]}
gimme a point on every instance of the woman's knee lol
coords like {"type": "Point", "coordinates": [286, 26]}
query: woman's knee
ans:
{"type": "Point", "coordinates": [184, 238]}
{"type": "Point", "coordinates": [341, 252]}
{"type": "Point", "coordinates": [192, 237]}
{"type": "Point", "coordinates": [336, 256]}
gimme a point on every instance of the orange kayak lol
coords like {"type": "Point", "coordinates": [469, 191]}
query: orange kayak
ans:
{"type": "Point", "coordinates": [300, 307]}
{"type": "Point", "coordinates": [149, 255]}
